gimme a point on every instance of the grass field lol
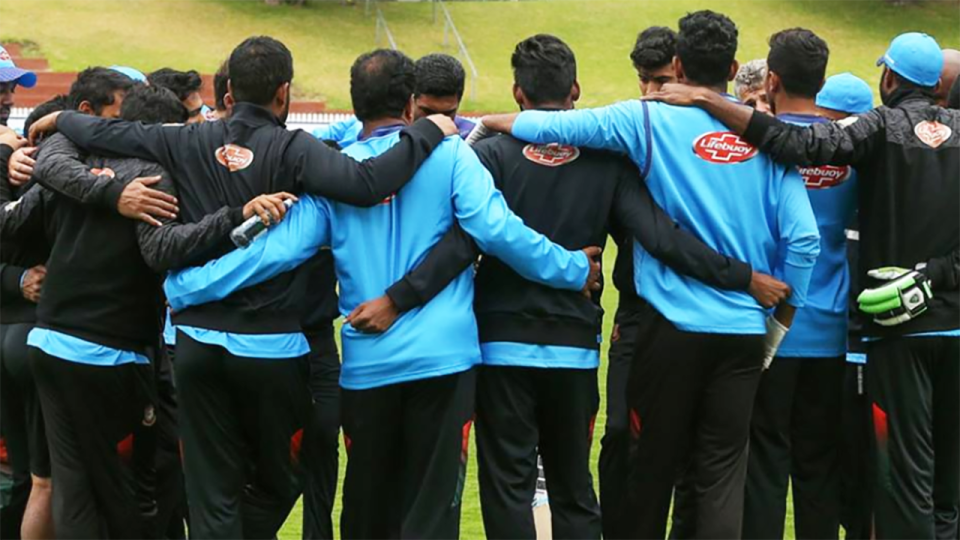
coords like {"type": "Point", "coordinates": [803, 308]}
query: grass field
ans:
{"type": "Point", "coordinates": [325, 37]}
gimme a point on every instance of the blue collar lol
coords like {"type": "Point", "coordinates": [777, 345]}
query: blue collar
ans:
{"type": "Point", "coordinates": [381, 131]}
{"type": "Point", "coordinates": [801, 118]}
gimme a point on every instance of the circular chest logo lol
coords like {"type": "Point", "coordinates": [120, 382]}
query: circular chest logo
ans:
{"type": "Point", "coordinates": [551, 155]}
{"type": "Point", "coordinates": [723, 147]}
{"type": "Point", "coordinates": [932, 134]}
{"type": "Point", "coordinates": [824, 176]}
{"type": "Point", "coordinates": [234, 157]}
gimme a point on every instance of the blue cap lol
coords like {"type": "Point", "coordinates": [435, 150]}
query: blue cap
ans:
{"type": "Point", "coordinates": [846, 93]}
{"type": "Point", "coordinates": [916, 57]}
{"type": "Point", "coordinates": [9, 72]}
{"type": "Point", "coordinates": [134, 74]}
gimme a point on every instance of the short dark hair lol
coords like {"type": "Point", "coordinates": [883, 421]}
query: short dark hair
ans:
{"type": "Point", "coordinates": [258, 67]}
{"type": "Point", "coordinates": [544, 67]}
{"type": "Point", "coordinates": [707, 47]}
{"type": "Point", "coordinates": [381, 84]}
{"type": "Point", "coordinates": [440, 75]}
{"type": "Point", "coordinates": [220, 79]}
{"type": "Point", "coordinates": [59, 102]}
{"type": "Point", "coordinates": [153, 105]}
{"type": "Point", "coordinates": [655, 48]}
{"type": "Point", "coordinates": [799, 57]}
{"type": "Point", "coordinates": [97, 86]}
{"type": "Point", "coordinates": [181, 83]}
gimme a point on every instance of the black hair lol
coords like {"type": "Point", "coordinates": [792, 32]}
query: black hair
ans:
{"type": "Point", "coordinates": [97, 86]}
{"type": "Point", "coordinates": [904, 84]}
{"type": "Point", "coordinates": [59, 102]}
{"type": "Point", "coordinates": [381, 84]}
{"type": "Point", "coordinates": [440, 75]}
{"type": "Point", "coordinates": [544, 67]}
{"type": "Point", "coordinates": [953, 98]}
{"type": "Point", "coordinates": [258, 67]}
{"type": "Point", "coordinates": [181, 83]}
{"type": "Point", "coordinates": [707, 47]}
{"type": "Point", "coordinates": [655, 48]}
{"type": "Point", "coordinates": [220, 79]}
{"type": "Point", "coordinates": [799, 57]}
{"type": "Point", "coordinates": [153, 105]}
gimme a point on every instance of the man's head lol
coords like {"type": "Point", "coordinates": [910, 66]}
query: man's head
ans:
{"type": "Point", "coordinates": [652, 57]}
{"type": "Point", "coordinates": [440, 81]}
{"type": "Point", "coordinates": [706, 50]}
{"type": "Point", "coordinates": [222, 103]}
{"type": "Point", "coordinates": [914, 61]}
{"type": "Point", "coordinates": [796, 65]}
{"type": "Point", "coordinates": [10, 77]}
{"type": "Point", "coordinates": [953, 99]}
{"type": "Point", "coordinates": [261, 69]}
{"type": "Point", "coordinates": [185, 85]}
{"type": "Point", "coordinates": [382, 83]}
{"type": "Point", "coordinates": [748, 85]}
{"type": "Point", "coordinates": [544, 73]}
{"type": "Point", "coordinates": [99, 91]}
{"type": "Point", "coordinates": [135, 74]}
{"type": "Point", "coordinates": [59, 102]}
{"type": "Point", "coordinates": [153, 105]}
{"type": "Point", "coordinates": [949, 73]}
{"type": "Point", "coordinates": [843, 95]}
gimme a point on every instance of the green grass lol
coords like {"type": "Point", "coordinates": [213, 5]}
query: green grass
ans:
{"type": "Point", "coordinates": [325, 37]}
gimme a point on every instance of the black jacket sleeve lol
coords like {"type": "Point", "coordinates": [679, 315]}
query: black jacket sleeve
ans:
{"type": "Point", "coordinates": [111, 137]}
{"type": "Point", "coordinates": [10, 276]}
{"type": "Point", "coordinates": [60, 169]}
{"type": "Point", "coordinates": [177, 245]}
{"type": "Point", "coordinates": [6, 190]}
{"type": "Point", "coordinates": [636, 210]}
{"type": "Point", "coordinates": [316, 168]}
{"type": "Point", "coordinates": [24, 217]}
{"type": "Point", "coordinates": [846, 142]}
{"type": "Point", "coordinates": [944, 272]}
{"type": "Point", "coordinates": [453, 254]}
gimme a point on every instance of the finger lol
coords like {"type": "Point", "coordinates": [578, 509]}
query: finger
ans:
{"type": "Point", "coordinates": [148, 180]}
{"type": "Point", "coordinates": [160, 202]}
{"type": "Point", "coordinates": [595, 286]}
{"type": "Point", "coordinates": [287, 196]}
{"type": "Point", "coordinates": [158, 211]}
{"type": "Point", "coordinates": [28, 162]}
{"type": "Point", "coordinates": [147, 218]}
{"type": "Point", "coordinates": [592, 251]}
{"type": "Point", "coordinates": [276, 208]}
{"type": "Point", "coordinates": [29, 151]}
{"type": "Point", "coordinates": [19, 176]}
{"type": "Point", "coordinates": [264, 214]}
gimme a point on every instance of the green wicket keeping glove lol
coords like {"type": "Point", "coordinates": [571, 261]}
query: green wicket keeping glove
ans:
{"type": "Point", "coordinates": [904, 297]}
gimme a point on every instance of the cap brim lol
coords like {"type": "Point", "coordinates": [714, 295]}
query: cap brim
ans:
{"type": "Point", "coordinates": [24, 78]}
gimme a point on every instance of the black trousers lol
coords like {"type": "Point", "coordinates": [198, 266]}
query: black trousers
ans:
{"type": "Point", "coordinates": [915, 387]}
{"type": "Point", "coordinates": [171, 500]}
{"type": "Point", "coordinates": [321, 449]}
{"type": "Point", "coordinates": [22, 425]}
{"type": "Point", "coordinates": [615, 444]}
{"type": "Point", "coordinates": [521, 410]}
{"type": "Point", "coordinates": [855, 500]}
{"type": "Point", "coordinates": [241, 425]}
{"type": "Point", "coordinates": [795, 438]}
{"type": "Point", "coordinates": [91, 414]}
{"type": "Point", "coordinates": [690, 397]}
{"type": "Point", "coordinates": [407, 457]}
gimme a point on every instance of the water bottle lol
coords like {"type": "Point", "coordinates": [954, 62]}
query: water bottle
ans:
{"type": "Point", "coordinates": [251, 229]}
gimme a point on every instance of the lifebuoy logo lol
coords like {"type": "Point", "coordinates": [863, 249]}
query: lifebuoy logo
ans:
{"type": "Point", "coordinates": [106, 171]}
{"type": "Point", "coordinates": [723, 147]}
{"type": "Point", "coordinates": [236, 158]}
{"type": "Point", "coordinates": [551, 155]}
{"type": "Point", "coordinates": [932, 133]}
{"type": "Point", "coordinates": [825, 176]}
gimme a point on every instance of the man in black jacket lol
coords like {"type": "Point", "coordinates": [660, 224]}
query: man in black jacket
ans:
{"type": "Point", "coordinates": [907, 156]}
{"type": "Point", "coordinates": [241, 361]}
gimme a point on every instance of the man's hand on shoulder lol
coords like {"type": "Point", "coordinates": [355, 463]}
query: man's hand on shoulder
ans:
{"type": "Point", "coordinates": [445, 123]}
{"type": "Point", "coordinates": [139, 201]}
{"type": "Point", "coordinates": [680, 94]}
{"type": "Point", "coordinates": [21, 164]}
{"type": "Point", "coordinates": [43, 127]}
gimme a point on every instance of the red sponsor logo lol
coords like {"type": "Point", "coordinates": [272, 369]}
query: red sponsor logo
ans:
{"type": "Point", "coordinates": [106, 171]}
{"type": "Point", "coordinates": [932, 134]}
{"type": "Point", "coordinates": [4, 56]}
{"type": "Point", "coordinates": [551, 155]}
{"type": "Point", "coordinates": [825, 176]}
{"type": "Point", "coordinates": [389, 199]}
{"type": "Point", "coordinates": [723, 147]}
{"type": "Point", "coordinates": [236, 158]}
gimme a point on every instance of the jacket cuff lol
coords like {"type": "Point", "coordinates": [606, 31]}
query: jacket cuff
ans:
{"type": "Point", "coordinates": [236, 216]}
{"type": "Point", "coordinates": [111, 195]}
{"type": "Point", "coordinates": [759, 124]}
{"type": "Point", "coordinates": [428, 130]}
{"type": "Point", "coordinates": [741, 274]}
{"type": "Point", "coordinates": [403, 295]}
{"type": "Point", "coordinates": [10, 279]}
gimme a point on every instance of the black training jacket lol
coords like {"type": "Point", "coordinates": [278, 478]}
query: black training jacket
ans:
{"type": "Point", "coordinates": [571, 195]}
{"type": "Point", "coordinates": [227, 163]}
{"type": "Point", "coordinates": [907, 157]}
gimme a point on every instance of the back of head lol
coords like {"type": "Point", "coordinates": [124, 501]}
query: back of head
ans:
{"type": "Point", "coordinates": [220, 79]}
{"type": "Point", "coordinates": [655, 48]}
{"type": "Point", "coordinates": [440, 75]}
{"type": "Point", "coordinates": [59, 102]}
{"type": "Point", "coordinates": [707, 47]}
{"type": "Point", "coordinates": [381, 84]}
{"type": "Point", "coordinates": [953, 99]}
{"type": "Point", "coordinates": [799, 57]}
{"type": "Point", "coordinates": [544, 68]}
{"type": "Point", "coordinates": [258, 67]}
{"type": "Point", "coordinates": [153, 105]}
{"type": "Point", "coordinates": [181, 83]}
{"type": "Point", "coordinates": [750, 76]}
{"type": "Point", "coordinates": [98, 86]}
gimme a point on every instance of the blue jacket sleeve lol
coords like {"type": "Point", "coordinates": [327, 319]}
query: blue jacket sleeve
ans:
{"type": "Point", "coordinates": [621, 127]}
{"type": "Point", "coordinates": [284, 247]}
{"type": "Point", "coordinates": [484, 214]}
{"type": "Point", "coordinates": [799, 236]}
